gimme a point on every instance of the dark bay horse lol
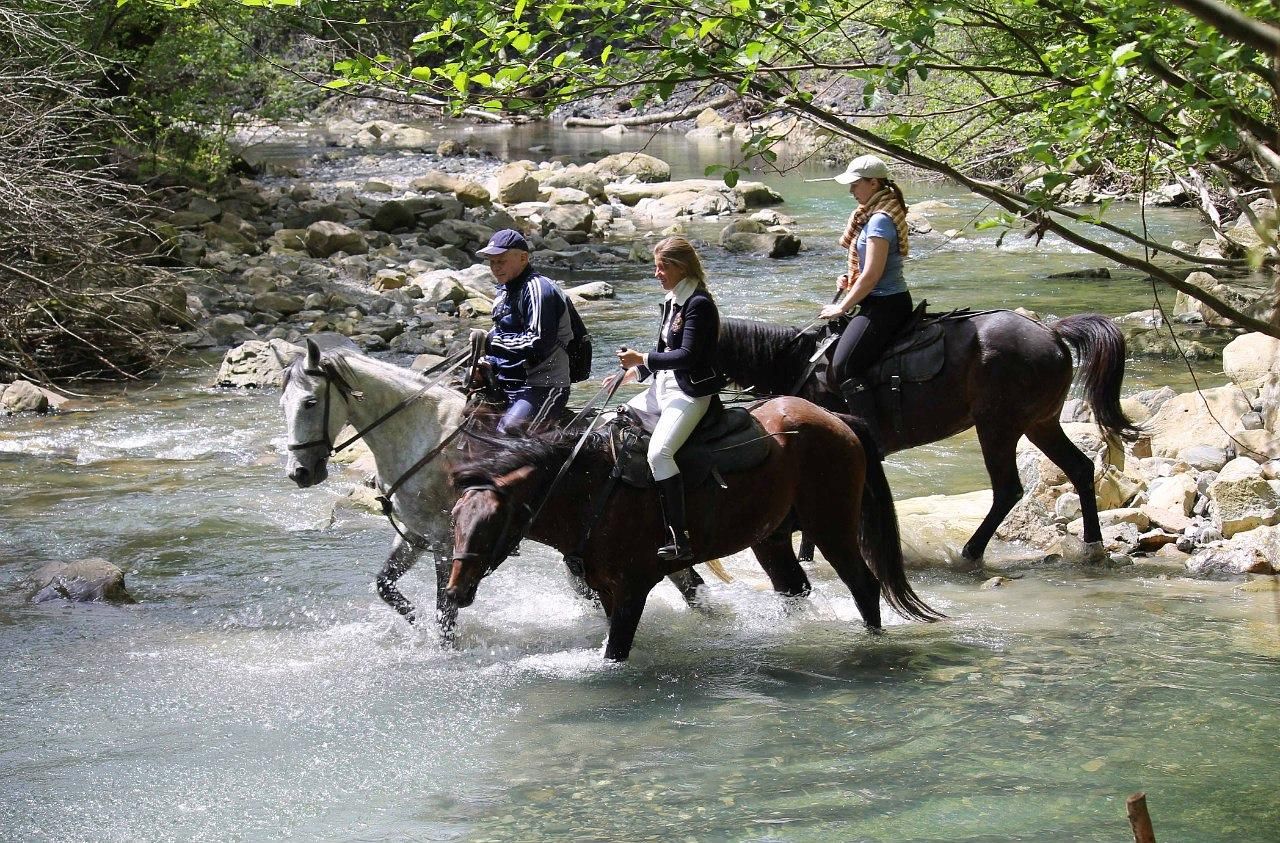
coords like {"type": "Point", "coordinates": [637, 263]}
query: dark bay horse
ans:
{"type": "Point", "coordinates": [814, 474]}
{"type": "Point", "coordinates": [1005, 374]}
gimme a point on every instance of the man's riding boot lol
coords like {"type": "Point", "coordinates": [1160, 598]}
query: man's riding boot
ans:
{"type": "Point", "coordinates": [671, 496]}
{"type": "Point", "coordinates": [862, 404]}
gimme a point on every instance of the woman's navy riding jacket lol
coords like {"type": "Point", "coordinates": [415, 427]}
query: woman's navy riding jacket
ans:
{"type": "Point", "coordinates": [687, 346]}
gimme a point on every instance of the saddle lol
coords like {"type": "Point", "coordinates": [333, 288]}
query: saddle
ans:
{"type": "Point", "coordinates": [726, 441]}
{"type": "Point", "coordinates": [917, 352]}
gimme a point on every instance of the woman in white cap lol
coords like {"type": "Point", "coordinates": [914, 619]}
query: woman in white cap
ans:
{"type": "Point", "coordinates": [874, 292]}
{"type": "Point", "coordinates": [687, 381]}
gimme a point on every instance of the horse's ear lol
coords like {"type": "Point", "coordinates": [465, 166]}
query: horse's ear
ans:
{"type": "Point", "coordinates": [313, 354]}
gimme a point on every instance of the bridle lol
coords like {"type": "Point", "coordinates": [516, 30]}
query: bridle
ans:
{"type": "Point", "coordinates": [509, 537]}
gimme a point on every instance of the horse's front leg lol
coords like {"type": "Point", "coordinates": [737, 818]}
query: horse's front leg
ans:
{"type": "Point", "coordinates": [446, 609]}
{"type": "Point", "coordinates": [402, 558]}
{"type": "Point", "coordinates": [628, 605]}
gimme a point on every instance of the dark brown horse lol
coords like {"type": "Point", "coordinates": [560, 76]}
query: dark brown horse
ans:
{"type": "Point", "coordinates": [814, 474]}
{"type": "Point", "coordinates": [1004, 373]}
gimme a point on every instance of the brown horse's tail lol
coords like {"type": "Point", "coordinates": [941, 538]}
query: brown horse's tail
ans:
{"type": "Point", "coordinates": [880, 542]}
{"type": "Point", "coordinates": [1099, 346]}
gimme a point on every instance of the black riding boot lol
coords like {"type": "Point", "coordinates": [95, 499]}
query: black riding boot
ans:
{"type": "Point", "coordinates": [671, 496]}
{"type": "Point", "coordinates": [862, 404]}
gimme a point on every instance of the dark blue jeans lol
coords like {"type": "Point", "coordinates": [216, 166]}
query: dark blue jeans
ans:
{"type": "Point", "coordinates": [533, 406]}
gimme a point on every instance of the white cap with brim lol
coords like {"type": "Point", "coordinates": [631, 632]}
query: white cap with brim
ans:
{"type": "Point", "coordinates": [862, 167]}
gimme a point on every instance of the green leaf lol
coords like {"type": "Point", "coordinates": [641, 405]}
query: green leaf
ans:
{"type": "Point", "coordinates": [731, 177]}
{"type": "Point", "coordinates": [422, 74]}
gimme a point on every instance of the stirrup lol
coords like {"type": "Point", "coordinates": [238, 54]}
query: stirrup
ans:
{"type": "Point", "coordinates": [679, 550]}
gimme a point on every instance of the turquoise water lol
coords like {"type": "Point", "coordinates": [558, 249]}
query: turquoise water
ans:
{"type": "Point", "coordinates": [259, 690]}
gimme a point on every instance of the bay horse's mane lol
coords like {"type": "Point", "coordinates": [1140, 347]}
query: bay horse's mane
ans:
{"type": "Point", "coordinates": [546, 449]}
{"type": "Point", "coordinates": [765, 356]}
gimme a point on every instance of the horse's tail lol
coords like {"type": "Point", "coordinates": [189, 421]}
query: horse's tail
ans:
{"type": "Point", "coordinates": [1099, 346]}
{"type": "Point", "coordinates": [880, 541]}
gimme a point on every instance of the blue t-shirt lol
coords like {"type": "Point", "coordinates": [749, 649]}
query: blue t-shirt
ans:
{"type": "Point", "coordinates": [892, 281]}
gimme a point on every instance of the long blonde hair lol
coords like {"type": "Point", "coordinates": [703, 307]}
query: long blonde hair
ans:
{"type": "Point", "coordinates": [680, 252]}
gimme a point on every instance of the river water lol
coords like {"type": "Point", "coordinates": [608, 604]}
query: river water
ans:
{"type": "Point", "coordinates": [259, 690]}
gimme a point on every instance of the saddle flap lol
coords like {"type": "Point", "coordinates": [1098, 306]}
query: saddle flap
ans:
{"type": "Point", "coordinates": [914, 357]}
{"type": "Point", "coordinates": [728, 441]}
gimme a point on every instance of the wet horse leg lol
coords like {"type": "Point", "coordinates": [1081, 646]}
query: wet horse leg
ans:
{"type": "Point", "coordinates": [624, 618]}
{"type": "Point", "coordinates": [1052, 440]}
{"type": "Point", "coordinates": [1000, 454]}
{"type": "Point", "coordinates": [403, 557]}
{"type": "Point", "coordinates": [446, 610]}
{"type": "Point", "coordinates": [778, 560]}
{"type": "Point", "coordinates": [688, 581]}
{"type": "Point", "coordinates": [839, 546]}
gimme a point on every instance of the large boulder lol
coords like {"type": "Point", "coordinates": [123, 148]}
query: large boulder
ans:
{"type": "Point", "coordinates": [751, 237]}
{"type": "Point", "coordinates": [637, 165]}
{"type": "Point", "coordinates": [274, 300]}
{"type": "Point", "coordinates": [393, 216]}
{"type": "Point", "coordinates": [461, 234]}
{"type": "Point", "coordinates": [325, 238]}
{"type": "Point", "coordinates": [576, 178]}
{"type": "Point", "coordinates": [1250, 359]}
{"type": "Point", "coordinates": [83, 581]}
{"type": "Point", "coordinates": [468, 192]}
{"type": "Point", "coordinates": [567, 218]}
{"type": "Point", "coordinates": [1240, 499]}
{"type": "Point", "coordinates": [1197, 418]}
{"type": "Point", "coordinates": [515, 183]}
{"type": "Point", "coordinates": [742, 196]}
{"type": "Point", "coordinates": [23, 397]}
{"type": "Point", "coordinates": [257, 364]}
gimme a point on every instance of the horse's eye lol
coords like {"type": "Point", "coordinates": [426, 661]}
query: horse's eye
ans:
{"type": "Point", "coordinates": [309, 403]}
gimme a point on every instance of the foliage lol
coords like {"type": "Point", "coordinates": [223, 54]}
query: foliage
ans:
{"type": "Point", "coordinates": [941, 84]}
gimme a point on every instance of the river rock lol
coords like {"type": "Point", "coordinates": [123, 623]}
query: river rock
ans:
{"type": "Point", "coordinates": [1250, 359]}
{"type": "Point", "coordinates": [90, 580]}
{"type": "Point", "coordinates": [561, 218]}
{"type": "Point", "coordinates": [634, 165]}
{"type": "Point", "coordinates": [1228, 558]}
{"type": "Point", "coordinates": [591, 291]}
{"type": "Point", "coordinates": [23, 397]}
{"type": "Point", "coordinates": [1185, 421]}
{"type": "Point", "coordinates": [441, 285]}
{"type": "Point", "coordinates": [460, 234]}
{"type": "Point", "coordinates": [257, 364]}
{"type": "Point", "coordinates": [751, 237]}
{"type": "Point", "coordinates": [1176, 493]}
{"type": "Point", "coordinates": [515, 183]}
{"type": "Point", "coordinates": [1240, 499]}
{"type": "Point", "coordinates": [324, 238]}
{"type": "Point", "coordinates": [1258, 445]}
{"type": "Point", "coordinates": [284, 303]}
{"type": "Point", "coordinates": [573, 178]}
{"type": "Point", "coordinates": [934, 528]}
{"type": "Point", "coordinates": [395, 215]}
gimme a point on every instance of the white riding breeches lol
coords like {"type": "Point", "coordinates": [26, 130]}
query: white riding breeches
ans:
{"type": "Point", "coordinates": [680, 414]}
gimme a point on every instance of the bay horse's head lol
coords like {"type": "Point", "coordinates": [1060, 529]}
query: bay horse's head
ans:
{"type": "Point", "coordinates": [314, 401]}
{"type": "Point", "coordinates": [489, 521]}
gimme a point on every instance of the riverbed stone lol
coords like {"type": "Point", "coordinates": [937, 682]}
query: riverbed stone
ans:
{"type": "Point", "coordinates": [1250, 359]}
{"type": "Point", "coordinates": [562, 218]}
{"type": "Point", "coordinates": [1258, 445]}
{"type": "Point", "coordinates": [515, 183]}
{"type": "Point", "coordinates": [257, 364]}
{"type": "Point", "coordinates": [751, 237]}
{"type": "Point", "coordinates": [23, 397]}
{"type": "Point", "coordinates": [1176, 493]}
{"type": "Point", "coordinates": [285, 303]}
{"type": "Point", "coordinates": [460, 234]}
{"type": "Point", "coordinates": [92, 580]}
{"type": "Point", "coordinates": [572, 178]}
{"type": "Point", "coordinates": [1241, 499]}
{"type": "Point", "coordinates": [1197, 418]}
{"type": "Point", "coordinates": [638, 165]}
{"type": "Point", "coordinates": [325, 238]}
{"type": "Point", "coordinates": [935, 527]}
{"type": "Point", "coordinates": [394, 215]}
{"type": "Point", "coordinates": [1228, 558]}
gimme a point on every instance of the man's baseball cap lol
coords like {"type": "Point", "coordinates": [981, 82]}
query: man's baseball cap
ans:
{"type": "Point", "coordinates": [501, 241]}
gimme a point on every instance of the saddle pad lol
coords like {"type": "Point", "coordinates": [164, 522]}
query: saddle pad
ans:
{"type": "Point", "coordinates": [728, 441]}
{"type": "Point", "coordinates": [914, 358]}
